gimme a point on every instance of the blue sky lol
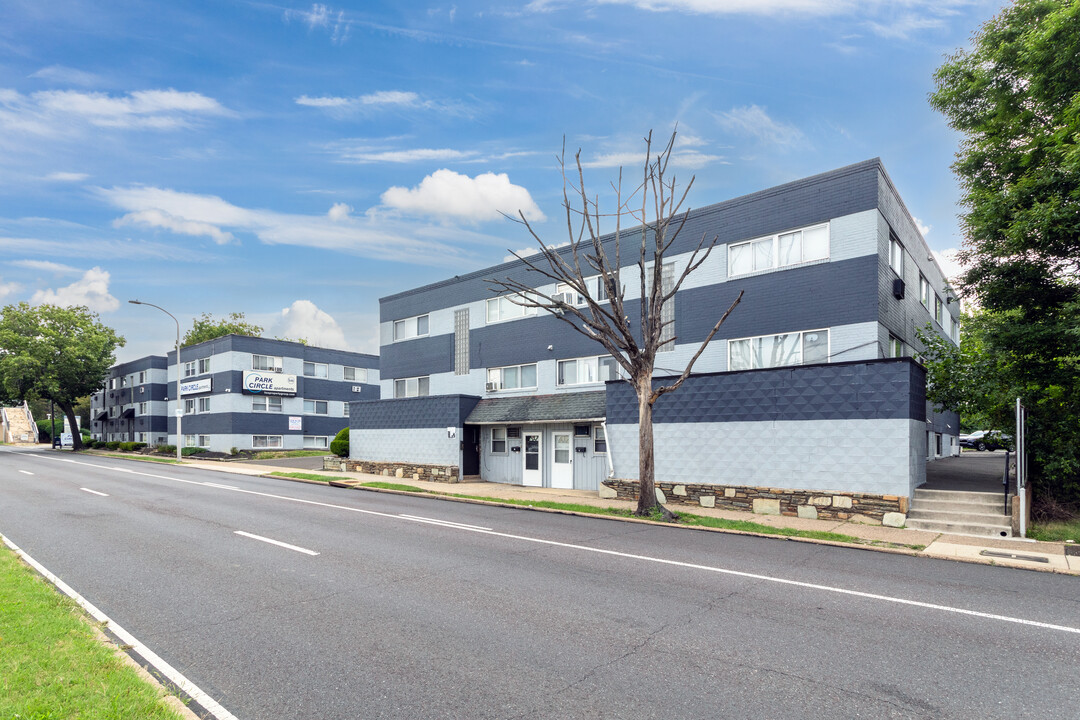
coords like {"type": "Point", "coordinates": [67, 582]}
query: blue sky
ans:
{"type": "Point", "coordinates": [297, 161]}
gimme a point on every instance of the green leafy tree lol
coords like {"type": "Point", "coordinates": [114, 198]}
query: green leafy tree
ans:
{"type": "Point", "coordinates": [340, 444]}
{"type": "Point", "coordinates": [207, 327]}
{"type": "Point", "coordinates": [55, 353]}
{"type": "Point", "coordinates": [1015, 96]}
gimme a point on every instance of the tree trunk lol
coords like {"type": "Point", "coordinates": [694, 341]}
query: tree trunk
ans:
{"type": "Point", "coordinates": [647, 501]}
{"type": "Point", "coordinates": [76, 436]}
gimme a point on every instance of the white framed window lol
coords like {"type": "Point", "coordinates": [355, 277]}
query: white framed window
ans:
{"type": "Point", "coordinates": [112, 384]}
{"type": "Point", "coordinates": [189, 369]}
{"type": "Point", "coordinates": [196, 441]}
{"type": "Point", "coordinates": [599, 440]}
{"type": "Point", "coordinates": [582, 371]}
{"type": "Point", "coordinates": [260, 442]}
{"type": "Point", "coordinates": [204, 365]}
{"type": "Point", "coordinates": [355, 374]}
{"type": "Point", "coordinates": [954, 330]}
{"type": "Point", "coordinates": [896, 347]}
{"type": "Point", "coordinates": [142, 379]}
{"type": "Point", "coordinates": [142, 408]}
{"type": "Point", "coordinates": [316, 442]}
{"type": "Point", "coordinates": [774, 251]}
{"type": "Point", "coordinates": [266, 363]}
{"type": "Point", "coordinates": [767, 351]}
{"type": "Point", "coordinates": [667, 315]}
{"type": "Point", "coordinates": [189, 407]}
{"type": "Point", "coordinates": [141, 436]}
{"type": "Point", "coordinates": [939, 310]}
{"type": "Point", "coordinates": [504, 308]}
{"type": "Point", "coordinates": [924, 291]}
{"type": "Point", "coordinates": [896, 256]}
{"type": "Point", "coordinates": [498, 441]}
{"type": "Point", "coordinates": [411, 327]}
{"type": "Point", "coordinates": [315, 407]}
{"type": "Point", "coordinates": [204, 404]}
{"type": "Point", "coordinates": [571, 296]}
{"type": "Point", "coordinates": [411, 387]}
{"type": "Point", "coordinates": [345, 409]}
{"type": "Point", "coordinates": [316, 370]}
{"type": "Point", "coordinates": [511, 377]}
{"type": "Point", "coordinates": [263, 403]}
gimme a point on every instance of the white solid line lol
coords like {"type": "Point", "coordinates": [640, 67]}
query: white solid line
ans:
{"type": "Point", "coordinates": [94, 492]}
{"type": "Point", "coordinates": [448, 523]}
{"type": "Point", "coordinates": [26, 472]}
{"type": "Point", "coordinates": [645, 558]}
{"type": "Point", "coordinates": [172, 674]}
{"type": "Point", "coordinates": [223, 487]}
{"type": "Point", "coordinates": [276, 542]}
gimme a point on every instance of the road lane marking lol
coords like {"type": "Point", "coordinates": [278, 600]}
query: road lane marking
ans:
{"type": "Point", "coordinates": [168, 671]}
{"type": "Point", "coordinates": [297, 548]}
{"type": "Point", "coordinates": [644, 558]}
{"type": "Point", "coordinates": [447, 523]}
{"type": "Point", "coordinates": [223, 487]}
{"type": "Point", "coordinates": [94, 492]}
{"type": "Point", "coordinates": [26, 472]}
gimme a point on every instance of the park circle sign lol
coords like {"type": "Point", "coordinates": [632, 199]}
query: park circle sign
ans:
{"type": "Point", "coordinates": [267, 383]}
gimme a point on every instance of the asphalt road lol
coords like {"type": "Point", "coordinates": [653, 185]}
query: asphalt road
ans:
{"type": "Point", "coordinates": [467, 611]}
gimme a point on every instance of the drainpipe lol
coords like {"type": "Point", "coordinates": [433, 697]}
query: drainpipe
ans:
{"type": "Point", "coordinates": [610, 464]}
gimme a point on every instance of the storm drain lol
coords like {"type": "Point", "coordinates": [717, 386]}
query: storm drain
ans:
{"type": "Point", "coordinates": [1014, 556]}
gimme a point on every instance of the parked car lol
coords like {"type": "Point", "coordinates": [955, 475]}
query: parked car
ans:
{"type": "Point", "coordinates": [987, 440]}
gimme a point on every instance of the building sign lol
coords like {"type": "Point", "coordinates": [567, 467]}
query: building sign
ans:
{"type": "Point", "coordinates": [257, 382]}
{"type": "Point", "coordinates": [296, 423]}
{"type": "Point", "coordinates": [196, 386]}
{"type": "Point", "coordinates": [356, 388]}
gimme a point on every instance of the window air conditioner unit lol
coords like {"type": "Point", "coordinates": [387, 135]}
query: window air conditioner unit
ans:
{"type": "Point", "coordinates": [493, 386]}
{"type": "Point", "coordinates": [898, 288]}
{"type": "Point", "coordinates": [562, 298]}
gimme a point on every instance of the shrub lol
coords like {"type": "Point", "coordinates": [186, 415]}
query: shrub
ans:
{"type": "Point", "coordinates": [340, 444]}
{"type": "Point", "coordinates": [113, 445]}
{"type": "Point", "coordinates": [128, 446]}
{"type": "Point", "coordinates": [167, 449]}
{"type": "Point", "coordinates": [192, 451]}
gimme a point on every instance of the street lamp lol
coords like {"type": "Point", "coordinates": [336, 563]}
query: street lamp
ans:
{"type": "Point", "coordinates": [179, 406]}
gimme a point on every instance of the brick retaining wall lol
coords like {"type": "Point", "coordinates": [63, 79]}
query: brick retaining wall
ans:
{"type": "Point", "coordinates": [408, 471]}
{"type": "Point", "coordinates": [816, 505]}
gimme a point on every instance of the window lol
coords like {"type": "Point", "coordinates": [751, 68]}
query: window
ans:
{"type": "Point", "coordinates": [196, 440]}
{"type": "Point", "coordinates": [204, 404]}
{"type": "Point", "coordinates": [574, 298]}
{"type": "Point", "coordinates": [504, 308]}
{"type": "Point", "coordinates": [316, 442]}
{"type": "Point", "coordinates": [896, 347]}
{"type": "Point", "coordinates": [955, 331]}
{"type": "Point", "coordinates": [582, 431]}
{"type": "Point", "coordinates": [189, 407]}
{"type": "Point", "coordinates": [775, 251]}
{"type": "Point", "coordinates": [266, 363]}
{"type": "Point", "coordinates": [112, 384]}
{"type": "Point", "coordinates": [667, 315]}
{"type": "Point", "coordinates": [461, 342]}
{"type": "Point", "coordinates": [939, 310]}
{"type": "Point", "coordinates": [141, 436]}
{"type": "Point", "coordinates": [142, 408]}
{"type": "Point", "coordinates": [800, 348]}
{"type": "Point", "coordinates": [189, 369]}
{"type": "Point", "coordinates": [142, 379]}
{"type": "Point", "coordinates": [599, 440]}
{"type": "Point", "coordinates": [588, 370]}
{"type": "Point", "coordinates": [204, 365]}
{"type": "Point", "coordinates": [498, 441]}
{"type": "Point", "coordinates": [924, 291]}
{"type": "Point", "coordinates": [411, 327]}
{"type": "Point", "coordinates": [315, 407]}
{"type": "Point", "coordinates": [265, 441]}
{"type": "Point", "coordinates": [411, 387]}
{"type": "Point", "coordinates": [316, 370]}
{"type": "Point", "coordinates": [262, 403]}
{"type": "Point", "coordinates": [345, 409]}
{"type": "Point", "coordinates": [123, 382]}
{"type": "Point", "coordinates": [356, 374]}
{"type": "Point", "coordinates": [896, 256]}
{"type": "Point", "coordinates": [512, 377]}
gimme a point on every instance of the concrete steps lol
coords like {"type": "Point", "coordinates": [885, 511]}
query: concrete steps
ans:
{"type": "Point", "coordinates": [17, 429]}
{"type": "Point", "coordinates": [959, 513]}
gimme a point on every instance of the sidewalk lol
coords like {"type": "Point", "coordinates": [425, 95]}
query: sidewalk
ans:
{"type": "Point", "coordinates": [1031, 555]}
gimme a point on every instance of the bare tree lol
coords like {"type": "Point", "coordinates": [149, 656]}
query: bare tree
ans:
{"type": "Point", "coordinates": [600, 313]}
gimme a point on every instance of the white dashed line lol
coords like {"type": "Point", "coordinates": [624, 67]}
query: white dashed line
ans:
{"type": "Point", "coordinates": [94, 492]}
{"type": "Point", "coordinates": [297, 548]}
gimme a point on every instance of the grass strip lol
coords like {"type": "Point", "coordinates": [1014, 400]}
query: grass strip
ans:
{"type": "Point", "coordinates": [1056, 531]}
{"type": "Point", "coordinates": [51, 664]}
{"type": "Point", "coordinates": [141, 458]}
{"type": "Point", "coordinates": [307, 476]}
{"type": "Point", "coordinates": [290, 454]}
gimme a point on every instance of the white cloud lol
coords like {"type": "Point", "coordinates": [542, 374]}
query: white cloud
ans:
{"type": "Point", "coordinates": [46, 266]}
{"type": "Point", "coordinates": [8, 288]}
{"type": "Point", "coordinates": [322, 16]}
{"type": "Point", "coordinates": [339, 211]}
{"type": "Point", "coordinates": [902, 28]}
{"type": "Point", "coordinates": [923, 227]}
{"type": "Point", "coordinates": [447, 194]}
{"type": "Point", "coordinates": [66, 176]}
{"type": "Point", "coordinates": [55, 112]}
{"type": "Point", "coordinates": [680, 159]}
{"type": "Point", "coordinates": [362, 155]}
{"type": "Point", "coordinates": [92, 290]}
{"type": "Point", "coordinates": [753, 121]}
{"type": "Point", "coordinates": [67, 76]}
{"type": "Point", "coordinates": [383, 101]}
{"type": "Point", "coordinates": [304, 321]}
{"type": "Point", "coordinates": [950, 266]}
{"type": "Point", "coordinates": [161, 219]}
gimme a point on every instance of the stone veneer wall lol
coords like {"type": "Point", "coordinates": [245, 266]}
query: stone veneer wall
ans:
{"type": "Point", "coordinates": [888, 510]}
{"type": "Point", "coordinates": [410, 471]}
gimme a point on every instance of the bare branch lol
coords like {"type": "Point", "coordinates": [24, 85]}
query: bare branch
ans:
{"type": "Point", "coordinates": [690, 365]}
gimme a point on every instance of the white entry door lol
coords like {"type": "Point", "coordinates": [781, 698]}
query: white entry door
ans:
{"type": "Point", "coordinates": [562, 471]}
{"type": "Point", "coordinates": [533, 475]}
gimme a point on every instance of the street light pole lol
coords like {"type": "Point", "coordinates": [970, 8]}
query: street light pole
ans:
{"type": "Point", "coordinates": [179, 406]}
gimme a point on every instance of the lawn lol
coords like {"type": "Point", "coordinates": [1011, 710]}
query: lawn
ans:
{"type": "Point", "coordinates": [1056, 531]}
{"type": "Point", "coordinates": [52, 666]}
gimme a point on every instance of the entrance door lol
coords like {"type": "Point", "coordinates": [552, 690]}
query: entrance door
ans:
{"type": "Point", "coordinates": [470, 451]}
{"type": "Point", "coordinates": [532, 475]}
{"type": "Point", "coordinates": [562, 471]}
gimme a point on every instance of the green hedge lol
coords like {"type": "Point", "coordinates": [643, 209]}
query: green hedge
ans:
{"type": "Point", "coordinates": [113, 445]}
{"type": "Point", "coordinates": [191, 451]}
{"type": "Point", "coordinates": [340, 444]}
